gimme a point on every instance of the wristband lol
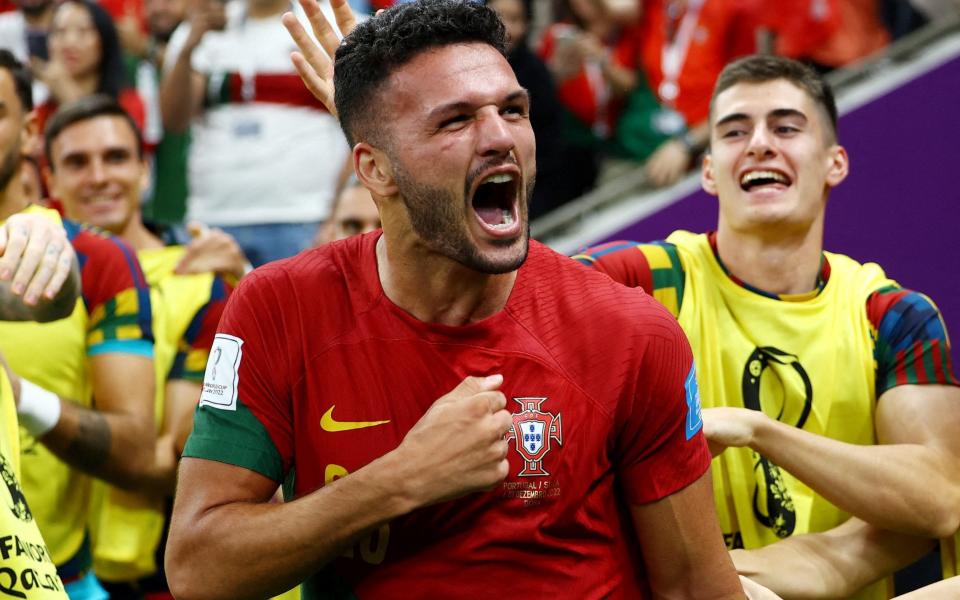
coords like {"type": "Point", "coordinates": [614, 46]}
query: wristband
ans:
{"type": "Point", "coordinates": [38, 410]}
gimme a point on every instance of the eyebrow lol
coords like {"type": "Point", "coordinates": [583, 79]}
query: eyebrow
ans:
{"type": "Point", "coordinates": [778, 113]}
{"type": "Point", "coordinates": [466, 106]}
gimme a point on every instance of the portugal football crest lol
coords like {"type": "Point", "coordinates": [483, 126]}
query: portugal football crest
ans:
{"type": "Point", "coordinates": [533, 430]}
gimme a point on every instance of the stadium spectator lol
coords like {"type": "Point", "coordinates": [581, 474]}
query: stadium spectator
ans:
{"type": "Point", "coordinates": [24, 32]}
{"type": "Point", "coordinates": [829, 385]}
{"type": "Point", "coordinates": [593, 54]}
{"type": "Point", "coordinates": [85, 59]}
{"type": "Point", "coordinates": [443, 142]}
{"type": "Point", "coordinates": [546, 115]}
{"type": "Point", "coordinates": [264, 155]}
{"type": "Point", "coordinates": [86, 407]}
{"type": "Point", "coordinates": [861, 33]}
{"type": "Point", "coordinates": [685, 44]}
{"type": "Point", "coordinates": [165, 203]}
{"type": "Point", "coordinates": [95, 149]}
{"type": "Point", "coordinates": [353, 213]}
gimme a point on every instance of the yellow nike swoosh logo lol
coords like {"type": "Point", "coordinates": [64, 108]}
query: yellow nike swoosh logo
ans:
{"type": "Point", "coordinates": [327, 423]}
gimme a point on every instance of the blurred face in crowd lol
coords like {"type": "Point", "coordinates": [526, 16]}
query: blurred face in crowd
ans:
{"type": "Point", "coordinates": [461, 151]}
{"type": "Point", "coordinates": [163, 16]}
{"type": "Point", "coordinates": [355, 213]}
{"type": "Point", "coordinates": [773, 158]}
{"type": "Point", "coordinates": [74, 40]}
{"type": "Point", "coordinates": [514, 18]}
{"type": "Point", "coordinates": [12, 129]}
{"type": "Point", "coordinates": [97, 173]}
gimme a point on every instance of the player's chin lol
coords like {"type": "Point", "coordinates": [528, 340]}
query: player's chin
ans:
{"type": "Point", "coordinates": [499, 256]}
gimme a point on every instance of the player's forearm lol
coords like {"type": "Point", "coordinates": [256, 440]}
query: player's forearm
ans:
{"type": "Point", "coordinates": [948, 588]}
{"type": "Point", "coordinates": [260, 549]}
{"type": "Point", "coordinates": [177, 103]}
{"type": "Point", "coordinates": [118, 449]}
{"type": "Point", "coordinates": [831, 564]}
{"type": "Point", "coordinates": [902, 487]}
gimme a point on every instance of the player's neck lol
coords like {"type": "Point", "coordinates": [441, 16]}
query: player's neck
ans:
{"type": "Point", "coordinates": [12, 198]}
{"type": "Point", "coordinates": [435, 289]}
{"type": "Point", "coordinates": [785, 264]}
{"type": "Point", "coordinates": [139, 237]}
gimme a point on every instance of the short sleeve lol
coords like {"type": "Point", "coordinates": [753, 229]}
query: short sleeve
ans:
{"type": "Point", "coordinates": [660, 446]}
{"type": "Point", "coordinates": [193, 349]}
{"type": "Point", "coordinates": [115, 293]}
{"type": "Point", "coordinates": [655, 267]}
{"type": "Point", "coordinates": [912, 346]}
{"type": "Point", "coordinates": [245, 416]}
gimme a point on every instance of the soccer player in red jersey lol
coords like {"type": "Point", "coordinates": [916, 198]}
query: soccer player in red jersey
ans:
{"type": "Point", "coordinates": [454, 410]}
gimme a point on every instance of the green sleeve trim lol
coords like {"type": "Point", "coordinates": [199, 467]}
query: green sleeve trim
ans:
{"type": "Point", "coordinates": [234, 437]}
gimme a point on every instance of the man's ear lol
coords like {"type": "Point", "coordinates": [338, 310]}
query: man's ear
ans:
{"type": "Point", "coordinates": [374, 170]}
{"type": "Point", "coordinates": [31, 141]}
{"type": "Point", "coordinates": [839, 166]}
{"type": "Point", "coordinates": [145, 175]}
{"type": "Point", "coordinates": [707, 180]}
{"type": "Point", "coordinates": [49, 180]}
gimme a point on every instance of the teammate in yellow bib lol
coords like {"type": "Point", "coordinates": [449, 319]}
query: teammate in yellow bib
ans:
{"type": "Point", "coordinates": [94, 146]}
{"type": "Point", "coordinates": [827, 389]}
{"type": "Point", "coordinates": [39, 281]}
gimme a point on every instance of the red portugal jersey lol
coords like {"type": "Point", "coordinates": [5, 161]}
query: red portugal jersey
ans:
{"type": "Point", "coordinates": [599, 378]}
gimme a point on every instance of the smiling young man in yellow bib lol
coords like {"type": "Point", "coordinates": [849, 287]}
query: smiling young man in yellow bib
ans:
{"type": "Point", "coordinates": [827, 388]}
{"type": "Point", "coordinates": [98, 171]}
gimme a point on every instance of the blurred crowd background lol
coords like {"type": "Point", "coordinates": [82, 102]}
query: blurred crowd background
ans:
{"type": "Point", "coordinates": [234, 140]}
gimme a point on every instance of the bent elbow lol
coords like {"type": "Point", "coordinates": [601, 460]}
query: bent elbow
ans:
{"type": "Point", "coordinates": [181, 578]}
{"type": "Point", "coordinates": [944, 517]}
{"type": "Point", "coordinates": [948, 524]}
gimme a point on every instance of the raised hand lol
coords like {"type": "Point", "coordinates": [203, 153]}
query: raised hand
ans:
{"type": "Point", "coordinates": [458, 446]}
{"type": "Point", "coordinates": [726, 427]}
{"type": "Point", "coordinates": [211, 249]}
{"type": "Point", "coordinates": [35, 255]}
{"type": "Point", "coordinates": [315, 63]}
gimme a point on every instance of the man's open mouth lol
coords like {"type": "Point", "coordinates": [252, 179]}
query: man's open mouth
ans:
{"type": "Point", "coordinates": [752, 180]}
{"type": "Point", "coordinates": [495, 201]}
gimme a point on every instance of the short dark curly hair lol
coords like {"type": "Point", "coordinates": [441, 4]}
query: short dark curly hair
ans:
{"type": "Point", "coordinates": [22, 82]}
{"type": "Point", "coordinates": [379, 46]}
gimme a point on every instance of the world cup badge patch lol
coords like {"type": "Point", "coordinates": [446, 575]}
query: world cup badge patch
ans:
{"type": "Point", "coordinates": [533, 431]}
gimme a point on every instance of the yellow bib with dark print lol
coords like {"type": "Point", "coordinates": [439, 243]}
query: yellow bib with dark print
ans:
{"type": "Point", "coordinates": [26, 569]}
{"type": "Point", "coordinates": [808, 364]}
{"type": "Point", "coordinates": [126, 527]}
{"type": "Point", "coordinates": [58, 494]}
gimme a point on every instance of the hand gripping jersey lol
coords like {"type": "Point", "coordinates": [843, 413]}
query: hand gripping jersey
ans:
{"type": "Point", "coordinates": [315, 373]}
{"type": "Point", "coordinates": [811, 362]}
{"type": "Point", "coordinates": [126, 527]}
{"type": "Point", "coordinates": [26, 569]}
{"type": "Point", "coordinates": [112, 315]}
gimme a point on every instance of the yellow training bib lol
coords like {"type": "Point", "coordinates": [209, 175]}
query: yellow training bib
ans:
{"type": "Point", "coordinates": [809, 364]}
